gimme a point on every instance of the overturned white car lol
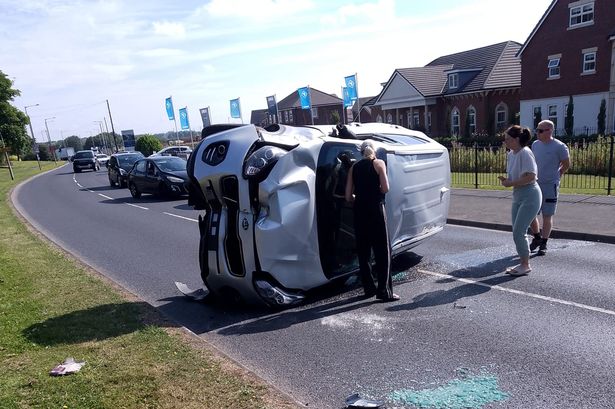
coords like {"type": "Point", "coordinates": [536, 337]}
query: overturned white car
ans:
{"type": "Point", "coordinates": [276, 224]}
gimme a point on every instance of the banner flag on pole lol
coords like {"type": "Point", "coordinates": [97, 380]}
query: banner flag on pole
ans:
{"type": "Point", "coordinates": [304, 97]}
{"type": "Point", "coordinates": [272, 105]}
{"type": "Point", "coordinates": [351, 85]}
{"type": "Point", "coordinates": [347, 99]}
{"type": "Point", "coordinates": [169, 105]}
{"type": "Point", "coordinates": [183, 118]}
{"type": "Point", "coordinates": [205, 117]}
{"type": "Point", "coordinates": [235, 108]}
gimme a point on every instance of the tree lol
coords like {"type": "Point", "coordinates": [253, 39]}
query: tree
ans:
{"type": "Point", "coordinates": [569, 120]}
{"type": "Point", "coordinates": [74, 142]}
{"type": "Point", "coordinates": [12, 121]}
{"type": "Point", "coordinates": [602, 118]}
{"type": "Point", "coordinates": [147, 144]}
{"type": "Point", "coordinates": [335, 117]}
{"type": "Point", "coordinates": [43, 152]}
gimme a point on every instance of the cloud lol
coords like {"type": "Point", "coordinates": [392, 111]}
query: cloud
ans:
{"type": "Point", "coordinates": [161, 52]}
{"type": "Point", "coordinates": [254, 9]}
{"type": "Point", "coordinates": [165, 28]}
{"type": "Point", "coordinates": [381, 12]}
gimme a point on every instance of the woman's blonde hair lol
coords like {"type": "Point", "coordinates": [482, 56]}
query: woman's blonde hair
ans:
{"type": "Point", "coordinates": [368, 150]}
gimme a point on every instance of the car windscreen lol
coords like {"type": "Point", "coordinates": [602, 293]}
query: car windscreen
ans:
{"type": "Point", "coordinates": [397, 139]}
{"type": "Point", "coordinates": [171, 164]}
{"type": "Point", "coordinates": [128, 160]}
{"type": "Point", "coordinates": [84, 155]}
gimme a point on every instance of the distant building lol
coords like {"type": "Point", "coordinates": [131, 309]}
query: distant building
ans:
{"type": "Point", "coordinates": [323, 106]}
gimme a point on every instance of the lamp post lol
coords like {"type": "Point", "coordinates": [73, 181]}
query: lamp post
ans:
{"type": "Point", "coordinates": [32, 133]}
{"type": "Point", "coordinates": [49, 138]}
{"type": "Point", "coordinates": [102, 132]}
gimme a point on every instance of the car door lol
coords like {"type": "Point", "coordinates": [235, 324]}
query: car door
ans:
{"type": "Point", "coordinates": [151, 177]}
{"type": "Point", "coordinates": [137, 175]}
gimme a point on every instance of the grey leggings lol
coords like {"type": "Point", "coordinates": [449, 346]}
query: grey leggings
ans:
{"type": "Point", "coordinates": [525, 206]}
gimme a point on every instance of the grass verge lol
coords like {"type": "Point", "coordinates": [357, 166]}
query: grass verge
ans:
{"type": "Point", "coordinates": [52, 307]}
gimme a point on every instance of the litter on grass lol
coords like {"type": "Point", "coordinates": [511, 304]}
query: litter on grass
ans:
{"type": "Point", "coordinates": [67, 367]}
{"type": "Point", "coordinates": [355, 401]}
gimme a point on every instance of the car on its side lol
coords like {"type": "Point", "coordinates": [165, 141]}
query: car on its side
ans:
{"type": "Point", "coordinates": [275, 226]}
{"type": "Point", "coordinates": [158, 175]}
{"type": "Point", "coordinates": [102, 159]}
{"type": "Point", "coordinates": [84, 160]}
{"type": "Point", "coordinates": [119, 165]}
{"type": "Point", "coordinates": [179, 151]}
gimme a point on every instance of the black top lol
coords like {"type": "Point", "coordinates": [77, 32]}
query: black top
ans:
{"type": "Point", "coordinates": [366, 183]}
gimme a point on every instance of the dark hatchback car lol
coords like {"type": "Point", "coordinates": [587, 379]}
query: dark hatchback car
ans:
{"type": "Point", "coordinates": [158, 175]}
{"type": "Point", "coordinates": [85, 160]}
{"type": "Point", "coordinates": [119, 165]}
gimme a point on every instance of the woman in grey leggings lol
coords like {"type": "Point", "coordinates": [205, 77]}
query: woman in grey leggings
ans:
{"type": "Point", "coordinates": [521, 172]}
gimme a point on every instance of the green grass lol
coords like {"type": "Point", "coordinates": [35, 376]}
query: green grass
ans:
{"type": "Point", "coordinates": [51, 308]}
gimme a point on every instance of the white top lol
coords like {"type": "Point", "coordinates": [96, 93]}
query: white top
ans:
{"type": "Point", "coordinates": [521, 162]}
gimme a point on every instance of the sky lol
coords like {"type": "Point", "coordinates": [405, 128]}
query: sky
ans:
{"type": "Point", "coordinates": [70, 57]}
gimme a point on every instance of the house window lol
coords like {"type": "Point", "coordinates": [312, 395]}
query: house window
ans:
{"type": "Point", "coordinates": [553, 115]}
{"type": "Point", "coordinates": [453, 81]}
{"type": "Point", "coordinates": [537, 116]}
{"type": "Point", "coordinates": [429, 121]}
{"type": "Point", "coordinates": [472, 120]}
{"type": "Point", "coordinates": [379, 118]}
{"type": "Point", "coordinates": [314, 112]}
{"type": "Point", "coordinates": [501, 117]}
{"type": "Point", "coordinates": [582, 14]}
{"type": "Point", "coordinates": [589, 62]}
{"type": "Point", "coordinates": [455, 122]}
{"type": "Point", "coordinates": [286, 116]}
{"type": "Point", "coordinates": [553, 67]}
{"type": "Point", "coordinates": [389, 119]}
{"type": "Point", "coordinates": [290, 116]}
{"type": "Point", "coordinates": [415, 120]}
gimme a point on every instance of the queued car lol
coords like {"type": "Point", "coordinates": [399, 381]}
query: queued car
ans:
{"type": "Point", "coordinates": [274, 226]}
{"type": "Point", "coordinates": [158, 175]}
{"type": "Point", "coordinates": [179, 151]}
{"type": "Point", "coordinates": [102, 159]}
{"type": "Point", "coordinates": [84, 160]}
{"type": "Point", "coordinates": [119, 165]}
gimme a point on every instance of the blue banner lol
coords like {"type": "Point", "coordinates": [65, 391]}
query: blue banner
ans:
{"type": "Point", "coordinates": [183, 118]}
{"type": "Point", "coordinates": [235, 108]}
{"type": "Point", "coordinates": [272, 105]}
{"type": "Point", "coordinates": [205, 117]}
{"type": "Point", "coordinates": [351, 84]}
{"type": "Point", "coordinates": [347, 100]}
{"type": "Point", "coordinates": [169, 104]}
{"type": "Point", "coordinates": [304, 97]}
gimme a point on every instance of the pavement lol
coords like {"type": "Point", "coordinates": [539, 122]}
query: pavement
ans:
{"type": "Point", "coordinates": [578, 217]}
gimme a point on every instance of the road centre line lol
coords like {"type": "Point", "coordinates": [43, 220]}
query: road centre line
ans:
{"type": "Point", "coordinates": [519, 292]}
{"type": "Point", "coordinates": [181, 217]}
{"type": "Point", "coordinates": [105, 196]}
{"type": "Point", "coordinates": [138, 207]}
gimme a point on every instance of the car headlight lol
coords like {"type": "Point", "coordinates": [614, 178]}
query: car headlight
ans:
{"type": "Point", "coordinates": [261, 161]}
{"type": "Point", "coordinates": [174, 179]}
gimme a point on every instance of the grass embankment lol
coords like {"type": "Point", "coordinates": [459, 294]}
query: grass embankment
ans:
{"type": "Point", "coordinates": [51, 308]}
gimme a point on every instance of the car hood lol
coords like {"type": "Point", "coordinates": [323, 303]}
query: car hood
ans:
{"type": "Point", "coordinates": [178, 173]}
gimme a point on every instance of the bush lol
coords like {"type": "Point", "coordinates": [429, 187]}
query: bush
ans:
{"type": "Point", "coordinates": [147, 144]}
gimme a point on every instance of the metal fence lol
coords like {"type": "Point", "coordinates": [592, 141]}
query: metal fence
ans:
{"type": "Point", "coordinates": [479, 164]}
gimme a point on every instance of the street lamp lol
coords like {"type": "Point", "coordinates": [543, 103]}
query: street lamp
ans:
{"type": "Point", "coordinates": [30, 122]}
{"type": "Point", "coordinates": [49, 137]}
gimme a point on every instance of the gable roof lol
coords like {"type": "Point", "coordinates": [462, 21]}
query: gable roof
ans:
{"type": "Point", "coordinates": [428, 80]}
{"type": "Point", "coordinates": [542, 19]}
{"type": "Point", "coordinates": [317, 98]}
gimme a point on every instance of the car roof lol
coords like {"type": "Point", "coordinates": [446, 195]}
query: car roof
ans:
{"type": "Point", "coordinates": [163, 158]}
{"type": "Point", "coordinates": [126, 153]}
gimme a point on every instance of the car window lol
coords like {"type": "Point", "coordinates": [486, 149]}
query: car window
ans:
{"type": "Point", "coordinates": [84, 155]}
{"type": "Point", "coordinates": [141, 166]}
{"type": "Point", "coordinates": [171, 164]}
{"type": "Point", "coordinates": [128, 159]}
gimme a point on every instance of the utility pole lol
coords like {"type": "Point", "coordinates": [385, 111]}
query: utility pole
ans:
{"type": "Point", "coordinates": [49, 139]}
{"type": "Point", "coordinates": [6, 154]}
{"type": "Point", "coordinates": [30, 123]}
{"type": "Point", "coordinates": [112, 128]}
{"type": "Point", "coordinates": [106, 127]}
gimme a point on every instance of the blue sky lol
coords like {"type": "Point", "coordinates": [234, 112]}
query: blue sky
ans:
{"type": "Point", "coordinates": [71, 56]}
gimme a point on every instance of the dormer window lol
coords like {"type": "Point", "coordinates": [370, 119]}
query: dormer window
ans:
{"type": "Point", "coordinates": [453, 81]}
{"type": "Point", "coordinates": [582, 14]}
{"type": "Point", "coordinates": [553, 67]}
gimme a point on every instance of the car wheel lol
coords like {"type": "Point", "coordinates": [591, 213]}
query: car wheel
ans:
{"type": "Point", "coordinates": [134, 191]}
{"type": "Point", "coordinates": [122, 183]}
{"type": "Point", "coordinates": [76, 170]}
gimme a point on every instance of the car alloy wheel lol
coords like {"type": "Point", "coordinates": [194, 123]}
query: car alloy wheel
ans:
{"type": "Point", "coordinates": [134, 191]}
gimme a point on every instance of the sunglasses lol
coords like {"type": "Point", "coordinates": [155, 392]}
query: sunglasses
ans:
{"type": "Point", "coordinates": [542, 130]}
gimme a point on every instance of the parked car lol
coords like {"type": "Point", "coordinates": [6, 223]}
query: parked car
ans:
{"type": "Point", "coordinates": [274, 228]}
{"type": "Point", "coordinates": [119, 165]}
{"type": "Point", "coordinates": [158, 175]}
{"type": "Point", "coordinates": [102, 159]}
{"type": "Point", "coordinates": [84, 160]}
{"type": "Point", "coordinates": [180, 151]}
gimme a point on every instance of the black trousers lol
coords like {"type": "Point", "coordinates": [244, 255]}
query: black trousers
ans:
{"type": "Point", "coordinates": [370, 227]}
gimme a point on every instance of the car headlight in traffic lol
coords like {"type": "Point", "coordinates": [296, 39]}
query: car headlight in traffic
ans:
{"type": "Point", "coordinates": [174, 179]}
{"type": "Point", "coordinates": [260, 162]}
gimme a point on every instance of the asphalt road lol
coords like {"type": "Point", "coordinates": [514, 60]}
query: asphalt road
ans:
{"type": "Point", "coordinates": [462, 329]}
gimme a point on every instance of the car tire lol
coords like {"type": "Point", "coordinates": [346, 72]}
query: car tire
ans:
{"type": "Point", "coordinates": [134, 191]}
{"type": "Point", "coordinates": [76, 170]}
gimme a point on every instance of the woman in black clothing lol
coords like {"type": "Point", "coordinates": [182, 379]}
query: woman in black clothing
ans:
{"type": "Point", "coordinates": [366, 187]}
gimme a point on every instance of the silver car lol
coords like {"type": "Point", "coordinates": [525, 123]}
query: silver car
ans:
{"type": "Point", "coordinates": [276, 225]}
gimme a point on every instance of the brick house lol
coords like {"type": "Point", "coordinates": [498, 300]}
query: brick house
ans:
{"type": "Point", "coordinates": [323, 106]}
{"type": "Point", "coordinates": [475, 91]}
{"type": "Point", "coordinates": [570, 52]}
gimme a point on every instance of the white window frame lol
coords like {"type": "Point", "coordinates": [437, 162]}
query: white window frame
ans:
{"type": "Point", "coordinates": [409, 119]}
{"type": "Point", "coordinates": [429, 121]}
{"type": "Point", "coordinates": [416, 120]}
{"type": "Point", "coordinates": [472, 119]}
{"type": "Point", "coordinates": [501, 124]}
{"type": "Point", "coordinates": [389, 118]}
{"type": "Point", "coordinates": [455, 121]}
{"type": "Point", "coordinates": [552, 116]}
{"type": "Point", "coordinates": [453, 81]}
{"type": "Point", "coordinates": [314, 112]}
{"type": "Point", "coordinates": [553, 67]}
{"type": "Point", "coordinates": [379, 118]}
{"type": "Point", "coordinates": [290, 116]}
{"type": "Point", "coordinates": [583, 14]}
{"type": "Point", "coordinates": [286, 116]}
{"type": "Point", "coordinates": [589, 62]}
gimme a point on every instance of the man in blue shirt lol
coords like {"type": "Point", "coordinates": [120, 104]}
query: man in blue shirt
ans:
{"type": "Point", "coordinates": [553, 161]}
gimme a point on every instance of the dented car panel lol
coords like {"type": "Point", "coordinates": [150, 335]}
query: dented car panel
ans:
{"type": "Point", "coordinates": [275, 226]}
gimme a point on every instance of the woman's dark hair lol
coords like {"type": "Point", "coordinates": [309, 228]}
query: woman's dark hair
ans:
{"type": "Point", "coordinates": [523, 134]}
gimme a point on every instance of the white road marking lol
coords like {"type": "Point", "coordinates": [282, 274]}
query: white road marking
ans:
{"type": "Point", "coordinates": [138, 207]}
{"type": "Point", "coordinates": [181, 217]}
{"type": "Point", "coordinates": [519, 292]}
{"type": "Point", "coordinates": [105, 196]}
